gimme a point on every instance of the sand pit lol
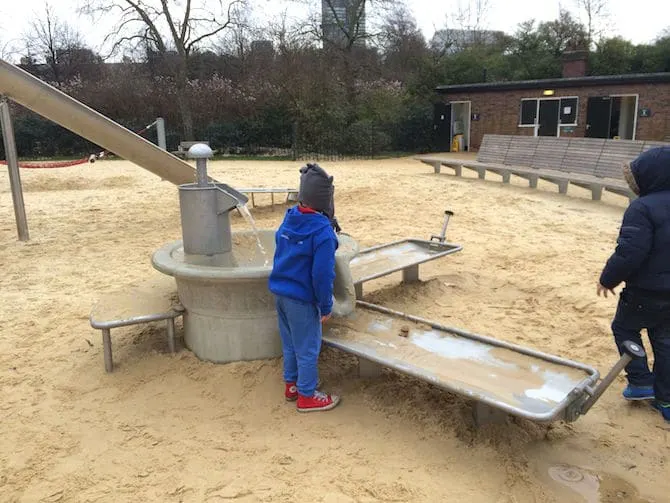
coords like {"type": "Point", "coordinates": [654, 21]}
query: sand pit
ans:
{"type": "Point", "coordinates": [170, 428]}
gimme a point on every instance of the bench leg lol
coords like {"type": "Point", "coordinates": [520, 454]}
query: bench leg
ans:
{"type": "Point", "coordinates": [437, 167]}
{"type": "Point", "coordinates": [170, 334]}
{"type": "Point", "coordinates": [410, 274]}
{"type": "Point", "coordinates": [107, 349]}
{"type": "Point", "coordinates": [563, 187]}
{"type": "Point", "coordinates": [368, 369]}
{"type": "Point", "coordinates": [481, 173]}
{"type": "Point", "coordinates": [532, 181]}
{"type": "Point", "coordinates": [272, 200]}
{"type": "Point", "coordinates": [459, 170]}
{"type": "Point", "coordinates": [358, 287]}
{"type": "Point", "coordinates": [506, 177]}
{"type": "Point", "coordinates": [596, 192]}
{"type": "Point", "coordinates": [253, 203]}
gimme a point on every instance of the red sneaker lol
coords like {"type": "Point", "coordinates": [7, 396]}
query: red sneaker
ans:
{"type": "Point", "coordinates": [291, 391]}
{"type": "Point", "coordinates": [319, 401]}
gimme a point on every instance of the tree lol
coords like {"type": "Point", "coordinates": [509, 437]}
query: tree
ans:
{"type": "Point", "coordinates": [403, 44]}
{"type": "Point", "coordinates": [164, 26]}
{"type": "Point", "coordinates": [653, 58]}
{"type": "Point", "coordinates": [5, 49]}
{"type": "Point", "coordinates": [465, 28]}
{"type": "Point", "coordinates": [597, 19]}
{"type": "Point", "coordinates": [536, 50]}
{"type": "Point", "coordinates": [54, 43]}
{"type": "Point", "coordinates": [613, 56]}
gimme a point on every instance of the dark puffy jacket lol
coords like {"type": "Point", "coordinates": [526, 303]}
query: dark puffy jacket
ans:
{"type": "Point", "coordinates": [642, 255]}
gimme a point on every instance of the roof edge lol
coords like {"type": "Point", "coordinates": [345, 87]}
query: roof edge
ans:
{"type": "Point", "coordinates": [637, 78]}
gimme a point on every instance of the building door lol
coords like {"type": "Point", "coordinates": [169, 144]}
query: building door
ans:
{"type": "Point", "coordinates": [442, 127]}
{"type": "Point", "coordinates": [548, 118]}
{"type": "Point", "coordinates": [598, 117]}
{"type": "Point", "coordinates": [460, 125]}
{"type": "Point", "coordinates": [623, 117]}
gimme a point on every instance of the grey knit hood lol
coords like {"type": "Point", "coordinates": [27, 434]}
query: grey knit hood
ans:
{"type": "Point", "coordinates": [317, 191]}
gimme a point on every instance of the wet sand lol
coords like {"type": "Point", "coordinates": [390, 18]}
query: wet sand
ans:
{"type": "Point", "coordinates": [170, 428]}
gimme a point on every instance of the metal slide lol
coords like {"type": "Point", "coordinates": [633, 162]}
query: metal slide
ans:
{"type": "Point", "coordinates": [47, 101]}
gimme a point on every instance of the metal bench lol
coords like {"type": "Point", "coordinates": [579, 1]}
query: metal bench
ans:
{"type": "Point", "coordinates": [291, 194]}
{"type": "Point", "coordinates": [149, 302]}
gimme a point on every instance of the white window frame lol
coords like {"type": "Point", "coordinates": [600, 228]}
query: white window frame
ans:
{"type": "Point", "coordinates": [536, 112]}
{"type": "Point", "coordinates": [573, 124]}
{"type": "Point", "coordinates": [536, 126]}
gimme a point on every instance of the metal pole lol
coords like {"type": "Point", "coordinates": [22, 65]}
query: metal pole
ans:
{"type": "Point", "coordinates": [160, 131]}
{"type": "Point", "coordinates": [13, 166]}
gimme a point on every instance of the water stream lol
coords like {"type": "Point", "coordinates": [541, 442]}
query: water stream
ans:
{"type": "Point", "coordinates": [250, 220]}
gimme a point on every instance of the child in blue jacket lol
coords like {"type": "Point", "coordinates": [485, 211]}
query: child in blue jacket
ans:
{"type": "Point", "coordinates": [302, 281]}
{"type": "Point", "coordinates": [642, 261]}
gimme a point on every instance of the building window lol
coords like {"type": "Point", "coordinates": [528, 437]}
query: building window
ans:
{"type": "Point", "coordinates": [567, 113]}
{"type": "Point", "coordinates": [528, 112]}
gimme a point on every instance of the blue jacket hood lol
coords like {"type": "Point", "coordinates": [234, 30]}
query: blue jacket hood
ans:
{"type": "Point", "coordinates": [651, 170]}
{"type": "Point", "coordinates": [301, 226]}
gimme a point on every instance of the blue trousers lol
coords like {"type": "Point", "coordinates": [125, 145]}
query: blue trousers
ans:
{"type": "Point", "coordinates": [637, 310]}
{"type": "Point", "coordinates": [300, 331]}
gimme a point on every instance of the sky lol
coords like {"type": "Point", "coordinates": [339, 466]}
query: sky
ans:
{"type": "Point", "coordinates": [640, 24]}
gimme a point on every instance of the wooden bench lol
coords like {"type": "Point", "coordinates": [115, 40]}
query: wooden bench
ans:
{"type": "Point", "coordinates": [591, 163]}
{"type": "Point", "coordinates": [149, 302]}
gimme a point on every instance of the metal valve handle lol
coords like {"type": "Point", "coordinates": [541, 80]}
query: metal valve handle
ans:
{"type": "Point", "coordinates": [631, 351]}
{"type": "Point", "coordinates": [442, 237]}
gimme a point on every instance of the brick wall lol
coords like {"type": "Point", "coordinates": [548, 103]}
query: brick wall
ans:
{"type": "Point", "coordinates": [499, 110]}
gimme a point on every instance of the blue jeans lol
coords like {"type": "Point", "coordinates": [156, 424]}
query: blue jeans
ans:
{"type": "Point", "coordinates": [300, 331]}
{"type": "Point", "coordinates": [638, 310]}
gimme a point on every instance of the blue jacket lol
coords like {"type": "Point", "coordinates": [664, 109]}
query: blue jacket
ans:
{"type": "Point", "coordinates": [642, 255]}
{"type": "Point", "coordinates": [304, 260]}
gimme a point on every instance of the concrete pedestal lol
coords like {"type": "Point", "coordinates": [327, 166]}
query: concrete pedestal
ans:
{"type": "Point", "coordinates": [230, 313]}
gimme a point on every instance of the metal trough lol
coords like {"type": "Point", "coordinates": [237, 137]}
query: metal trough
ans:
{"type": "Point", "coordinates": [405, 255]}
{"type": "Point", "coordinates": [502, 376]}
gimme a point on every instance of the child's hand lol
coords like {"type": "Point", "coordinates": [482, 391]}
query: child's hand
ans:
{"type": "Point", "coordinates": [604, 290]}
{"type": "Point", "coordinates": [325, 318]}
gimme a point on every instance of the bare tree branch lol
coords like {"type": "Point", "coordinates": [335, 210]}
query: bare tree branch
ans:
{"type": "Point", "coordinates": [166, 25]}
{"type": "Point", "coordinates": [597, 18]}
{"type": "Point", "coordinates": [185, 22]}
{"type": "Point", "coordinates": [226, 24]}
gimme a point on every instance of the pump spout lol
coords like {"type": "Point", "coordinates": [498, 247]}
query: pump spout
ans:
{"type": "Point", "coordinates": [229, 198]}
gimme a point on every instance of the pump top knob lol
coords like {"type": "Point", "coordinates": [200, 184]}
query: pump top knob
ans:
{"type": "Point", "coordinates": [200, 151]}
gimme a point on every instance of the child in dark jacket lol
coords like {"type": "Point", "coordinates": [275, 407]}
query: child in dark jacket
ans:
{"type": "Point", "coordinates": [302, 281]}
{"type": "Point", "coordinates": [642, 261]}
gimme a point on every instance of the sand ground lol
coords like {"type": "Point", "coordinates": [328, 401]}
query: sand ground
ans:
{"type": "Point", "coordinates": [171, 428]}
